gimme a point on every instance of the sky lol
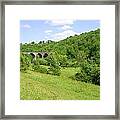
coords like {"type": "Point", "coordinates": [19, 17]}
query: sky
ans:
{"type": "Point", "coordinates": [55, 30]}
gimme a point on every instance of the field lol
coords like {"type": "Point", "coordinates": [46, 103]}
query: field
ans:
{"type": "Point", "coordinates": [39, 86]}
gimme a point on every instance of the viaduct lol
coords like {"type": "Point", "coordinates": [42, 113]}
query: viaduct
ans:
{"type": "Point", "coordinates": [35, 54]}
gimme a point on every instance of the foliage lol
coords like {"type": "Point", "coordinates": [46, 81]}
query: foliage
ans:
{"type": "Point", "coordinates": [25, 62]}
{"type": "Point", "coordinates": [87, 42]}
{"type": "Point", "coordinates": [89, 73]}
{"type": "Point", "coordinates": [39, 68]}
{"type": "Point", "coordinates": [81, 51]}
{"type": "Point", "coordinates": [37, 65]}
{"type": "Point", "coordinates": [54, 64]}
{"type": "Point", "coordinates": [89, 69]}
{"type": "Point", "coordinates": [40, 61]}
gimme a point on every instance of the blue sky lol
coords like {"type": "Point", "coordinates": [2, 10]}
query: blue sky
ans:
{"type": "Point", "coordinates": [39, 30]}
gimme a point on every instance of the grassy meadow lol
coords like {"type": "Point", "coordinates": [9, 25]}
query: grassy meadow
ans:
{"type": "Point", "coordinates": [40, 86]}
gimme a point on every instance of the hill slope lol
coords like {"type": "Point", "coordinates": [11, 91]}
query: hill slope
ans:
{"type": "Point", "coordinates": [73, 44]}
{"type": "Point", "coordinates": [71, 71]}
{"type": "Point", "coordinates": [39, 86]}
{"type": "Point", "coordinates": [81, 51]}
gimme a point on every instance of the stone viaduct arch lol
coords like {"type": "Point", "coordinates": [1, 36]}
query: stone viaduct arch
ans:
{"type": "Point", "coordinates": [39, 54]}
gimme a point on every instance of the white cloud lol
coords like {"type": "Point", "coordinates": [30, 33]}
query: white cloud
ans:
{"type": "Point", "coordinates": [48, 31]}
{"type": "Point", "coordinates": [46, 37]}
{"type": "Point", "coordinates": [60, 22]}
{"type": "Point", "coordinates": [65, 27]}
{"type": "Point", "coordinates": [26, 26]}
{"type": "Point", "coordinates": [63, 35]}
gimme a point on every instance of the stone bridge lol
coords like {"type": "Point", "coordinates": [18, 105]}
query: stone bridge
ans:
{"type": "Point", "coordinates": [35, 54]}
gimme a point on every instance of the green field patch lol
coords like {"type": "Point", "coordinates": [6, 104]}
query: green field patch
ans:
{"type": "Point", "coordinates": [40, 86]}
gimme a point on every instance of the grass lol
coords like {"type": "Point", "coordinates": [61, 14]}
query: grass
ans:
{"type": "Point", "coordinates": [39, 86]}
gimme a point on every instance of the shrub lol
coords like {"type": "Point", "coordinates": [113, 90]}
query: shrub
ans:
{"type": "Point", "coordinates": [40, 69]}
{"type": "Point", "coordinates": [90, 73]}
{"type": "Point", "coordinates": [54, 71]}
{"type": "Point", "coordinates": [25, 62]}
{"type": "Point", "coordinates": [40, 61]}
{"type": "Point", "coordinates": [54, 65]}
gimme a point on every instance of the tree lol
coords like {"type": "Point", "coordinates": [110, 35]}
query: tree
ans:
{"type": "Point", "coordinates": [40, 42]}
{"type": "Point", "coordinates": [32, 42]}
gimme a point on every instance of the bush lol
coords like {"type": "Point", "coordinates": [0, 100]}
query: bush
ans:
{"type": "Point", "coordinates": [90, 73]}
{"type": "Point", "coordinates": [62, 60]}
{"type": "Point", "coordinates": [25, 62]}
{"type": "Point", "coordinates": [54, 65]}
{"type": "Point", "coordinates": [43, 61]}
{"type": "Point", "coordinates": [54, 71]}
{"type": "Point", "coordinates": [40, 69]}
{"type": "Point", "coordinates": [40, 61]}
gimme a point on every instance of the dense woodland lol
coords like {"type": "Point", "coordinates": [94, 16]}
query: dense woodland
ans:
{"type": "Point", "coordinates": [78, 51]}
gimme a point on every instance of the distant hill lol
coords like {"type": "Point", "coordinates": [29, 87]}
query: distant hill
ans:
{"type": "Point", "coordinates": [89, 42]}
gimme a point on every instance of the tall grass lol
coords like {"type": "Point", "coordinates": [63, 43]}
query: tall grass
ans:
{"type": "Point", "coordinates": [40, 86]}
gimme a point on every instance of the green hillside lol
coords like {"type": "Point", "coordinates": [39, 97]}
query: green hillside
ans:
{"type": "Point", "coordinates": [39, 86]}
{"type": "Point", "coordinates": [87, 42]}
{"type": "Point", "coordinates": [70, 71]}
